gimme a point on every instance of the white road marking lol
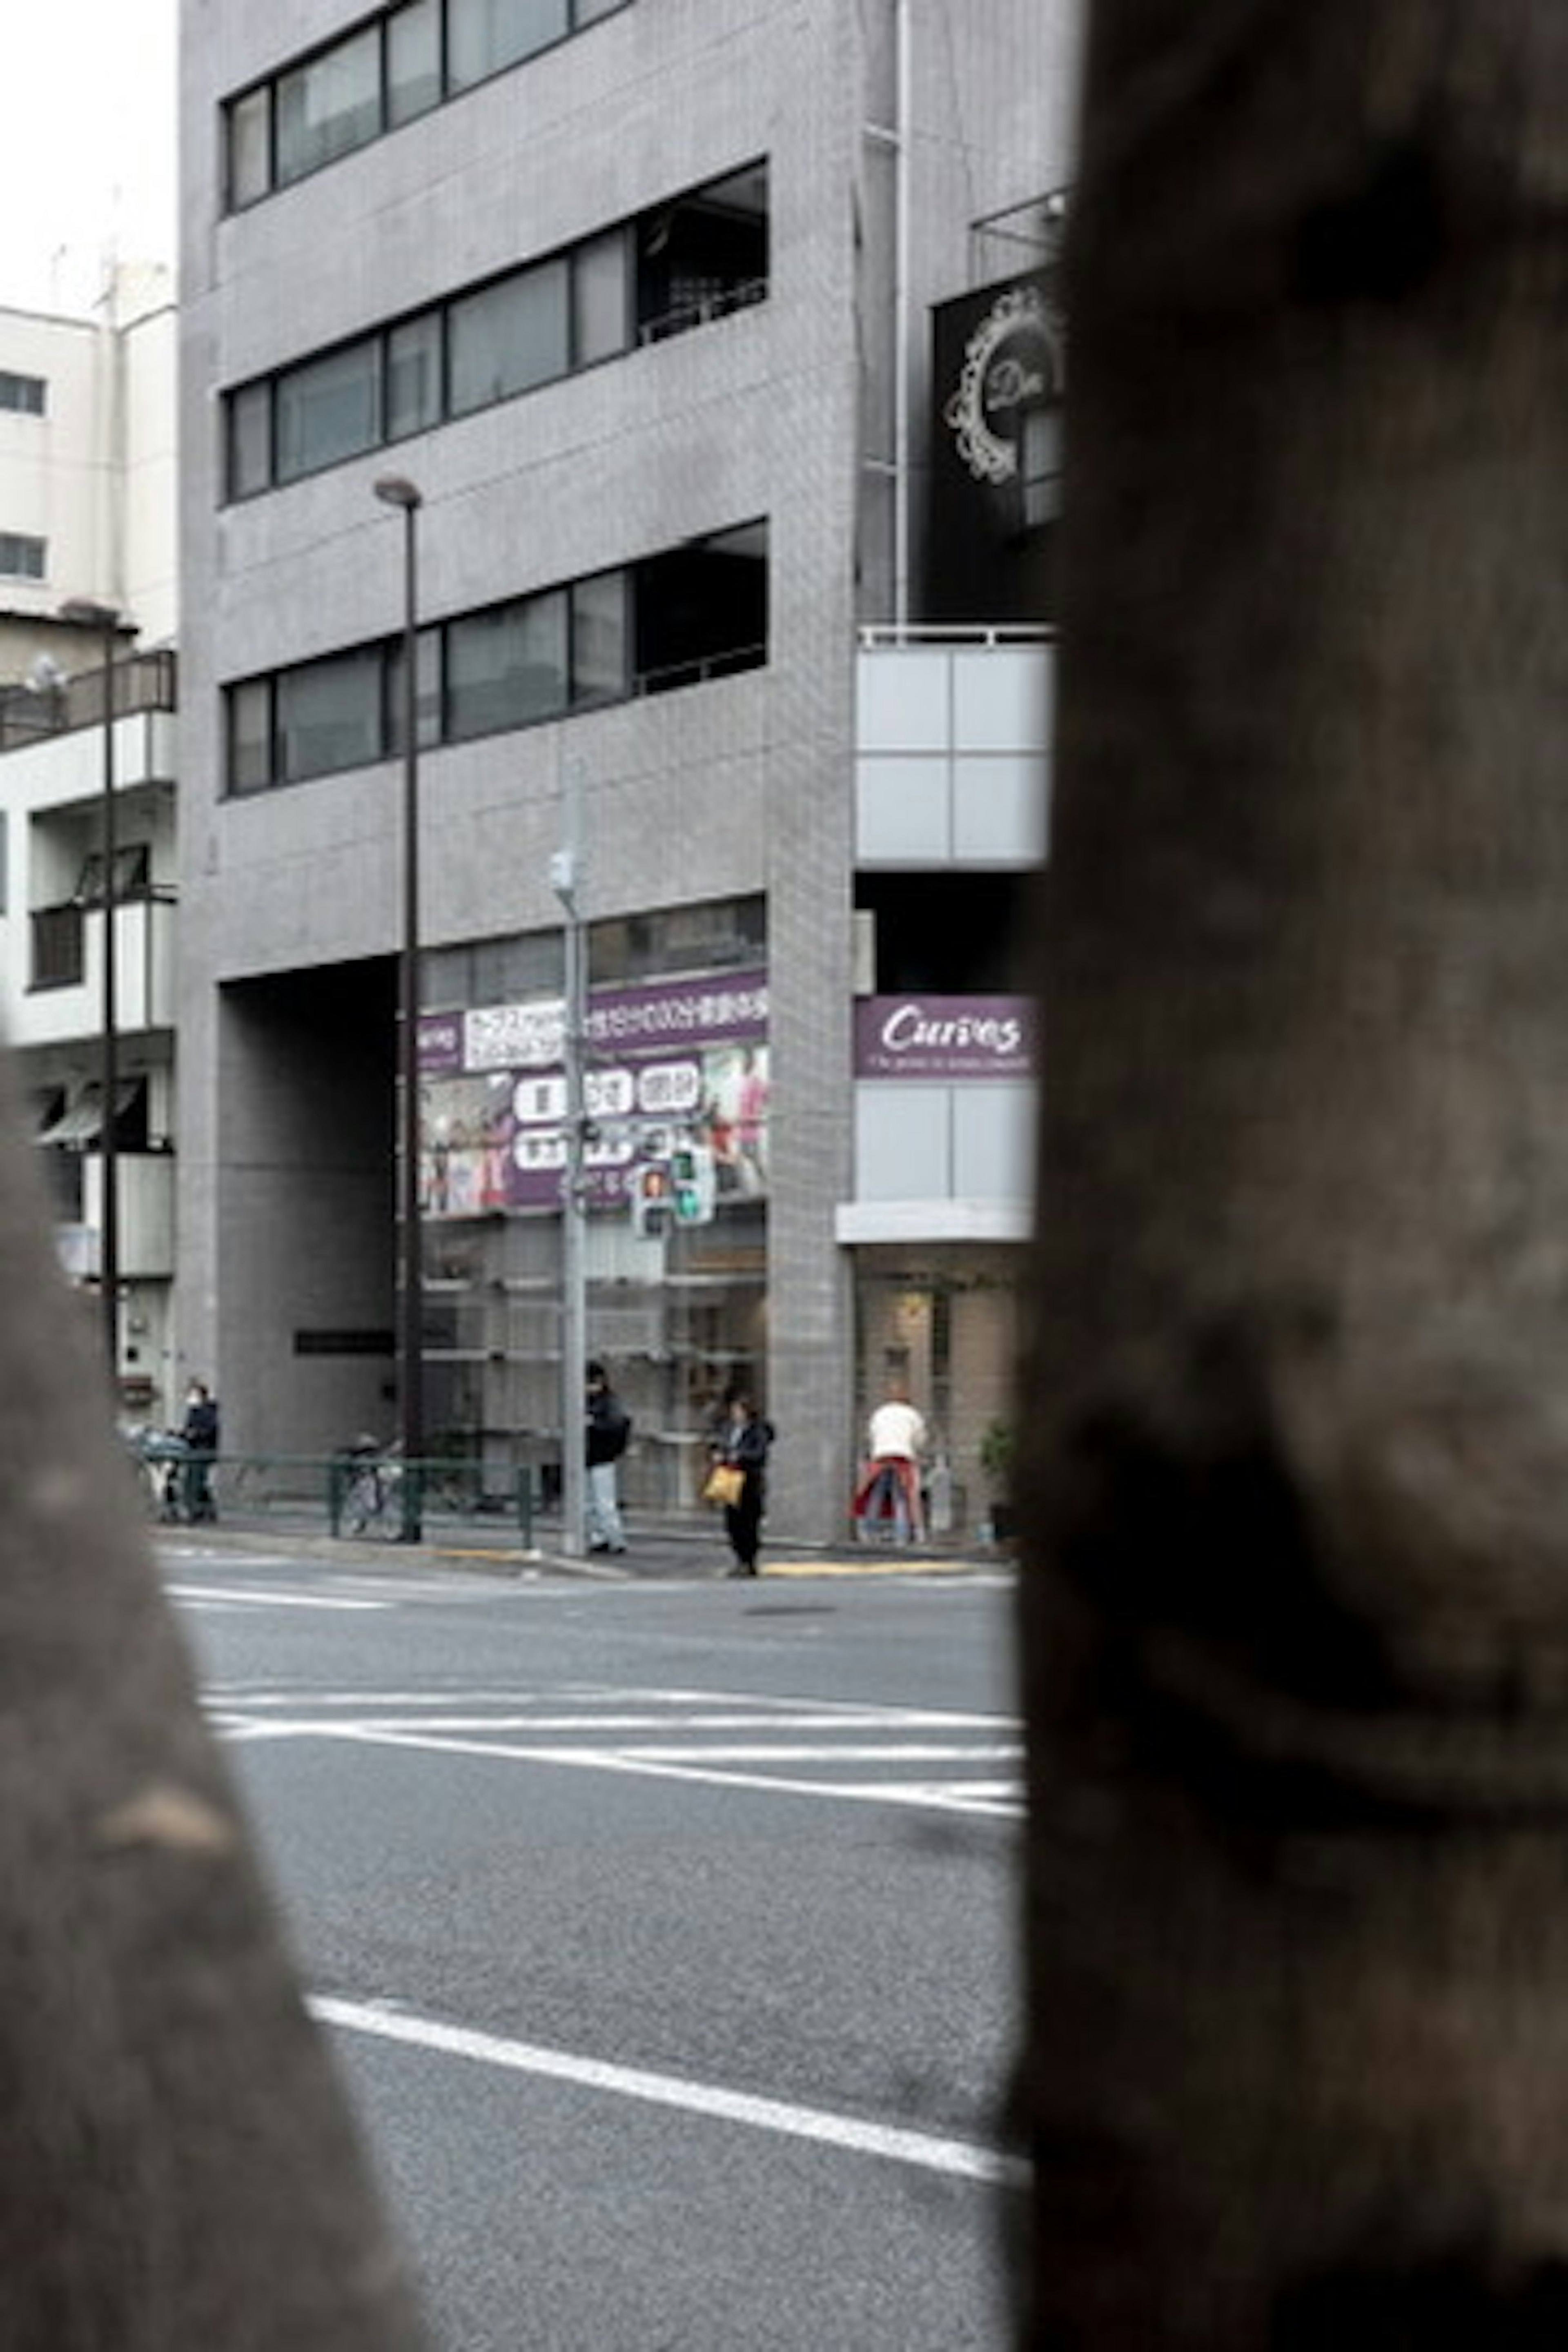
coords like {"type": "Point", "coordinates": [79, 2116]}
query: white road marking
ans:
{"type": "Point", "coordinates": [223, 1596]}
{"type": "Point", "coordinates": [961, 2159]}
{"type": "Point", "coordinates": [742, 1711]}
{"type": "Point", "coordinates": [946, 1797]}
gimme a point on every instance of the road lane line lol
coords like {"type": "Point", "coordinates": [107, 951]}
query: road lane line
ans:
{"type": "Point", "coordinates": [807, 1715]}
{"type": "Point", "coordinates": [961, 2160]}
{"type": "Point", "coordinates": [224, 1596]}
{"type": "Point", "coordinates": [941, 1797]}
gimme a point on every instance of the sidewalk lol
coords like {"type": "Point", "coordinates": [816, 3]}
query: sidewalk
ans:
{"type": "Point", "coordinates": [493, 1547]}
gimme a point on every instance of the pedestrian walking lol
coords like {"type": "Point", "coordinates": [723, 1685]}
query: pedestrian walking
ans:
{"type": "Point", "coordinates": [199, 1433]}
{"type": "Point", "coordinates": [609, 1433]}
{"type": "Point", "coordinates": [741, 1445]}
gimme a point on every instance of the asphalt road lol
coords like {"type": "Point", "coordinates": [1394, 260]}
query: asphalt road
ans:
{"type": "Point", "coordinates": [664, 1931]}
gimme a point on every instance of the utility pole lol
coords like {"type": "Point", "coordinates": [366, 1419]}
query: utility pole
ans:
{"type": "Point", "coordinates": [566, 881]}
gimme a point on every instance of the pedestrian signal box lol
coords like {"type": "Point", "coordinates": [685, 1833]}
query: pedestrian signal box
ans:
{"type": "Point", "coordinates": [693, 1183]}
{"type": "Point", "coordinates": [652, 1199]}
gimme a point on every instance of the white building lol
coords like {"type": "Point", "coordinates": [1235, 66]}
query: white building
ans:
{"type": "Point", "coordinates": [638, 295]}
{"type": "Point", "coordinates": [88, 517]}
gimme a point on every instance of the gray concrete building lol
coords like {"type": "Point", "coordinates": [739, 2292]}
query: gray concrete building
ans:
{"type": "Point", "coordinates": [638, 295]}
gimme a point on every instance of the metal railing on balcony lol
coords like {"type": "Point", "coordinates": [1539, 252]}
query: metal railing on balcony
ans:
{"type": "Point", "coordinates": [718, 302]}
{"type": "Point", "coordinates": [31, 713]}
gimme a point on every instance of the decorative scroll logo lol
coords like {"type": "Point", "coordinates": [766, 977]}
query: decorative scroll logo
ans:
{"type": "Point", "coordinates": [1013, 361]}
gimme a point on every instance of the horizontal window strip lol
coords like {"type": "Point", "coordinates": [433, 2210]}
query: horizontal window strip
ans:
{"type": "Point", "coordinates": [694, 613]}
{"type": "Point", "coordinates": [692, 259]}
{"type": "Point", "coordinates": [388, 71]}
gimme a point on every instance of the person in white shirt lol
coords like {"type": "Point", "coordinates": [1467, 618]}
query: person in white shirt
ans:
{"type": "Point", "coordinates": [889, 1489]}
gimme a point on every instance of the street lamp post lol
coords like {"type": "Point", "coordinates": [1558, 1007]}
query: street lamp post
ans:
{"type": "Point", "coordinates": [103, 618]}
{"type": "Point", "coordinates": [395, 490]}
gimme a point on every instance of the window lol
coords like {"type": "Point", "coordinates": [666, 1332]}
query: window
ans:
{"type": "Point", "coordinates": [717, 935]}
{"type": "Point", "coordinates": [600, 665]}
{"type": "Point", "coordinates": [702, 610]}
{"type": "Point", "coordinates": [413, 62]}
{"type": "Point", "coordinates": [364, 85]}
{"type": "Point", "coordinates": [21, 558]}
{"type": "Point", "coordinates": [250, 441]}
{"type": "Point", "coordinates": [506, 667]}
{"type": "Point", "coordinates": [250, 736]}
{"type": "Point", "coordinates": [512, 665]}
{"type": "Point", "coordinates": [569, 310]}
{"type": "Point", "coordinates": [414, 377]}
{"type": "Point", "coordinates": [949, 934]}
{"type": "Point", "coordinates": [249, 147]}
{"type": "Point", "coordinates": [329, 410]}
{"type": "Point", "coordinates": [132, 875]}
{"type": "Point", "coordinates": [24, 394]}
{"type": "Point", "coordinates": [330, 715]}
{"type": "Point", "coordinates": [601, 300]}
{"type": "Point", "coordinates": [329, 105]}
{"type": "Point", "coordinates": [702, 254]}
{"type": "Point", "coordinates": [484, 36]}
{"type": "Point", "coordinates": [507, 337]}
{"type": "Point", "coordinates": [426, 691]}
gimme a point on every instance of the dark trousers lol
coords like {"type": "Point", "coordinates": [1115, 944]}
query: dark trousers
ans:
{"type": "Point", "coordinates": [744, 1521]}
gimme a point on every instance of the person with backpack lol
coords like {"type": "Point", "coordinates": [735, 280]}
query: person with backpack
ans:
{"type": "Point", "coordinates": [608, 1434]}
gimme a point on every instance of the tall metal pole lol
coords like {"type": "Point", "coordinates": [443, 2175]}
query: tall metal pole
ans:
{"type": "Point", "coordinates": [395, 491]}
{"type": "Point", "coordinates": [567, 879]}
{"type": "Point", "coordinates": [108, 1152]}
{"type": "Point", "coordinates": [107, 622]}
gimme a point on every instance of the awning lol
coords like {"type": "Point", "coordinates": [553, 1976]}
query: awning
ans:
{"type": "Point", "coordinates": [81, 1121]}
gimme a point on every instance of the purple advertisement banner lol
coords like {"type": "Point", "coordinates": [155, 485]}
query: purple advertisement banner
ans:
{"type": "Point", "coordinates": [946, 1037]}
{"type": "Point", "coordinates": [662, 1017]}
{"type": "Point", "coordinates": [667, 1064]}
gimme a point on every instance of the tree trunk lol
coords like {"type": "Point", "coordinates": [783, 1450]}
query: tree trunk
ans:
{"type": "Point", "coordinates": [178, 2168]}
{"type": "Point", "coordinates": [1296, 1601]}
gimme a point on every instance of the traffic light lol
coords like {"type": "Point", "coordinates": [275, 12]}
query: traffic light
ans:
{"type": "Point", "coordinates": [693, 1183]}
{"type": "Point", "coordinates": [651, 1202]}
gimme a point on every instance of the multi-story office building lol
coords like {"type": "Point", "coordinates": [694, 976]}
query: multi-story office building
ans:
{"type": "Point", "coordinates": [636, 296]}
{"type": "Point", "coordinates": [88, 520]}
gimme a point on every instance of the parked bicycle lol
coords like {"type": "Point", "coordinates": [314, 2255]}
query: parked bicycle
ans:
{"type": "Point", "coordinates": [372, 1493]}
{"type": "Point", "coordinates": [178, 1478]}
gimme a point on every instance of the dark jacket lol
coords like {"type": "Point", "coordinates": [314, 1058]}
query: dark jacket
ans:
{"type": "Point", "coordinates": [199, 1428]}
{"type": "Point", "coordinates": [745, 1443]}
{"type": "Point", "coordinates": [610, 1427]}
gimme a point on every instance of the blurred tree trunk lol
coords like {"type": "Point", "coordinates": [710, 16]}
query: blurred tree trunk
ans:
{"type": "Point", "coordinates": [178, 2168]}
{"type": "Point", "coordinates": [1296, 1601]}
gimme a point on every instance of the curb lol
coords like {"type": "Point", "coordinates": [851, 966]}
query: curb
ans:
{"type": "Point", "coordinates": [710, 1567]}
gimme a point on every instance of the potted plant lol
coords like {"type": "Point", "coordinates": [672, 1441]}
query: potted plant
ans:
{"type": "Point", "coordinates": [997, 1448]}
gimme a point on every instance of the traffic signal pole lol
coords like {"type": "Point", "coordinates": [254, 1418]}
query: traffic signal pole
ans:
{"type": "Point", "coordinates": [565, 877]}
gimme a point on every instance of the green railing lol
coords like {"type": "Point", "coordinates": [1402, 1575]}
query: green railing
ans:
{"type": "Point", "coordinates": [380, 1495]}
{"type": "Point", "coordinates": [347, 1495]}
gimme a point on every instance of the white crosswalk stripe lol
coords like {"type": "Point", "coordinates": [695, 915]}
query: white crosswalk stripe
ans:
{"type": "Point", "coordinates": [933, 1759]}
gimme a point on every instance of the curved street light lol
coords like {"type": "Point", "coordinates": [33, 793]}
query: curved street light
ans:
{"type": "Point", "coordinates": [396, 490]}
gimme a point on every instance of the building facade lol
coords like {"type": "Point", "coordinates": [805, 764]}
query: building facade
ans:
{"type": "Point", "coordinates": [88, 519]}
{"type": "Point", "coordinates": [636, 296]}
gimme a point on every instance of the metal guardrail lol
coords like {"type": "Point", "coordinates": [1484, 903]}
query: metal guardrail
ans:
{"type": "Point", "coordinates": [348, 1494]}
